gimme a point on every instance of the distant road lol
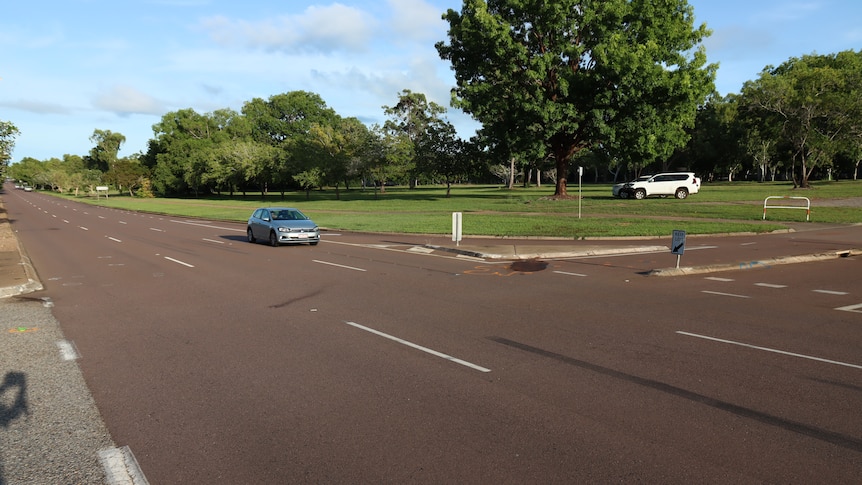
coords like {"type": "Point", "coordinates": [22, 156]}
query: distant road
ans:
{"type": "Point", "coordinates": [372, 359]}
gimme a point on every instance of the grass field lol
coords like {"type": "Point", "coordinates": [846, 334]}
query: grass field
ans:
{"type": "Point", "coordinates": [521, 212]}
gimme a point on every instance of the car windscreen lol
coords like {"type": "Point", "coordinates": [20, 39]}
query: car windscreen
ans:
{"type": "Point", "coordinates": [287, 215]}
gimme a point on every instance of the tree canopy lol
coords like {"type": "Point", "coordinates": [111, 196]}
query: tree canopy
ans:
{"type": "Point", "coordinates": [8, 132]}
{"type": "Point", "coordinates": [573, 74]}
{"type": "Point", "coordinates": [815, 104]}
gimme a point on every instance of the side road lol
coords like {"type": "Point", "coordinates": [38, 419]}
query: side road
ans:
{"type": "Point", "coordinates": [50, 428]}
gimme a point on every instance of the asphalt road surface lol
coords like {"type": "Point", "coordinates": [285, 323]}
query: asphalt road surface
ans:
{"type": "Point", "coordinates": [372, 359]}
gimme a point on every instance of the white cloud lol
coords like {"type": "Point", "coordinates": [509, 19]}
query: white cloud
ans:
{"type": "Point", "coordinates": [318, 29]}
{"type": "Point", "coordinates": [417, 20]}
{"type": "Point", "coordinates": [37, 107]}
{"type": "Point", "coordinates": [125, 100]}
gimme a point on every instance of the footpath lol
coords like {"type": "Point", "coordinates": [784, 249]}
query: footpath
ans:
{"type": "Point", "coordinates": [50, 429]}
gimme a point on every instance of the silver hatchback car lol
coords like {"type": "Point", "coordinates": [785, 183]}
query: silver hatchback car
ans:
{"type": "Point", "coordinates": [282, 225]}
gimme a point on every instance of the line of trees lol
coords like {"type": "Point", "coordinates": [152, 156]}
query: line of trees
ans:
{"type": "Point", "coordinates": [798, 121]}
{"type": "Point", "coordinates": [290, 141]}
{"type": "Point", "coordinates": [619, 87]}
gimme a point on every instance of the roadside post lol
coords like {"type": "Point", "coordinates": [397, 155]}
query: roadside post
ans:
{"type": "Point", "coordinates": [677, 245]}
{"type": "Point", "coordinates": [456, 228]}
{"type": "Point", "coordinates": [580, 176]}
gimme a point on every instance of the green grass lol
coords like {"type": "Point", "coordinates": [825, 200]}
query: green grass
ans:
{"type": "Point", "coordinates": [495, 211]}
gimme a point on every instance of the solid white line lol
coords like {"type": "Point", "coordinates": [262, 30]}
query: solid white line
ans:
{"type": "Point", "coordinates": [766, 349]}
{"type": "Point", "coordinates": [770, 285]}
{"type": "Point", "coordinates": [114, 239]}
{"type": "Point", "coordinates": [338, 265]}
{"type": "Point", "coordinates": [179, 262]}
{"type": "Point", "coordinates": [724, 294]}
{"type": "Point", "coordinates": [569, 274]}
{"type": "Point", "coordinates": [830, 292]}
{"type": "Point", "coordinates": [419, 347]}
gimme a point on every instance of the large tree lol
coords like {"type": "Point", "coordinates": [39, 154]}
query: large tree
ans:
{"type": "Point", "coordinates": [284, 121]}
{"type": "Point", "coordinates": [575, 74]}
{"type": "Point", "coordinates": [103, 156]}
{"type": "Point", "coordinates": [413, 116]}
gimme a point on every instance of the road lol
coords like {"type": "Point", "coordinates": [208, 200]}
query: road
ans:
{"type": "Point", "coordinates": [375, 359]}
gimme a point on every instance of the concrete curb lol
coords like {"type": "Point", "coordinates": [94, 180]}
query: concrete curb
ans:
{"type": "Point", "coordinates": [513, 253]}
{"type": "Point", "coordinates": [808, 258]}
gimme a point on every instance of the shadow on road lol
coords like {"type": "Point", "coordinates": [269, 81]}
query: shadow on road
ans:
{"type": "Point", "coordinates": [13, 404]}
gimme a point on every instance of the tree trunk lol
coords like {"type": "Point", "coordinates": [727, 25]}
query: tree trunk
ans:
{"type": "Point", "coordinates": [563, 153]}
{"type": "Point", "coordinates": [562, 176]}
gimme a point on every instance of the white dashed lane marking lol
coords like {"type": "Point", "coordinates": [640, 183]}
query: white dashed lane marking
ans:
{"type": "Point", "coordinates": [830, 292]}
{"type": "Point", "coordinates": [770, 285]}
{"type": "Point", "coordinates": [767, 349]}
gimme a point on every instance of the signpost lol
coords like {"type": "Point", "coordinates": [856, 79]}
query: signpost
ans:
{"type": "Point", "coordinates": [677, 245]}
{"type": "Point", "coordinates": [456, 228]}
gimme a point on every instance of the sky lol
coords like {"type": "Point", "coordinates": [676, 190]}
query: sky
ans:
{"type": "Point", "coordinates": [70, 67]}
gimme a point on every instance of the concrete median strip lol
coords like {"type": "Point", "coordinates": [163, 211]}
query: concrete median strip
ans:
{"type": "Point", "coordinates": [510, 252]}
{"type": "Point", "coordinates": [808, 258]}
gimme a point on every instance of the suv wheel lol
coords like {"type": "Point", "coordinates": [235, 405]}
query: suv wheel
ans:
{"type": "Point", "coordinates": [681, 193]}
{"type": "Point", "coordinates": [640, 194]}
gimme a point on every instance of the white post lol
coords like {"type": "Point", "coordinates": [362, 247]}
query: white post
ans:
{"type": "Point", "coordinates": [456, 228]}
{"type": "Point", "coordinates": [580, 176]}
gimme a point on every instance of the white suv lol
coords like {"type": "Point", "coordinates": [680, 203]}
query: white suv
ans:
{"type": "Point", "coordinates": [677, 184]}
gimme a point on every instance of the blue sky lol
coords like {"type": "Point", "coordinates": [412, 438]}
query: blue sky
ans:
{"type": "Point", "coordinates": [69, 67]}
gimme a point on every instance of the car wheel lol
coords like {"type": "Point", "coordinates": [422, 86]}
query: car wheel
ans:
{"type": "Point", "coordinates": [640, 194]}
{"type": "Point", "coordinates": [624, 194]}
{"type": "Point", "coordinates": [273, 239]}
{"type": "Point", "coordinates": [250, 235]}
{"type": "Point", "coordinates": [681, 193]}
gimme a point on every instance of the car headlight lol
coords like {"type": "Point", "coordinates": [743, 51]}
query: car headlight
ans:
{"type": "Point", "coordinates": [283, 229]}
